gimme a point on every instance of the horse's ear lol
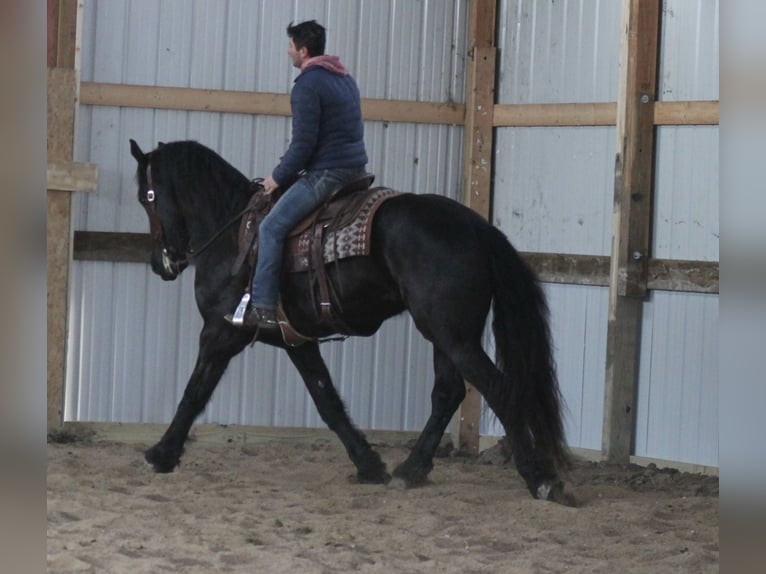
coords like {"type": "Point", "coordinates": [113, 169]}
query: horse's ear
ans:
{"type": "Point", "coordinates": [136, 152]}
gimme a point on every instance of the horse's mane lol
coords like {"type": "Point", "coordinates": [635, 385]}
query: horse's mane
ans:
{"type": "Point", "coordinates": [202, 177]}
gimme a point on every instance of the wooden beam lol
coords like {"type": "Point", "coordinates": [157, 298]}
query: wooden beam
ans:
{"type": "Point", "coordinates": [483, 22]}
{"type": "Point", "coordinates": [413, 112]}
{"type": "Point", "coordinates": [72, 176]}
{"type": "Point", "coordinates": [686, 276]}
{"type": "Point", "coordinates": [479, 137]}
{"type": "Point", "coordinates": [110, 246]}
{"type": "Point", "coordinates": [569, 269]}
{"type": "Point", "coordinates": [663, 274]}
{"type": "Point", "coordinates": [634, 174]}
{"type": "Point", "coordinates": [477, 162]}
{"type": "Point", "coordinates": [65, 16]}
{"type": "Point", "coordinates": [188, 99]}
{"type": "Point", "coordinates": [503, 115]}
{"type": "Point", "coordinates": [61, 100]}
{"type": "Point", "coordinates": [565, 268]}
{"type": "Point", "coordinates": [53, 41]}
{"type": "Point", "coordinates": [601, 114]}
{"type": "Point", "coordinates": [555, 115]}
{"type": "Point", "coordinates": [686, 113]}
{"type": "Point", "coordinates": [237, 102]}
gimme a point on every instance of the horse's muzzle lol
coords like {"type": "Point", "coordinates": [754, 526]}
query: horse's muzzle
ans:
{"type": "Point", "coordinates": [167, 265]}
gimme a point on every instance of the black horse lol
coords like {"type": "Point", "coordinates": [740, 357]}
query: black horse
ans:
{"type": "Point", "coordinates": [429, 255]}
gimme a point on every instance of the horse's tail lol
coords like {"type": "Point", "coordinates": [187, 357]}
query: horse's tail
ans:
{"type": "Point", "coordinates": [529, 399]}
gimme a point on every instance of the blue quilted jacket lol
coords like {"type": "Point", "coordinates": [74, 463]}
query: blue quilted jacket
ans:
{"type": "Point", "coordinates": [327, 127]}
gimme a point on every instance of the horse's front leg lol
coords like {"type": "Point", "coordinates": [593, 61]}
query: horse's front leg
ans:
{"type": "Point", "coordinates": [218, 344]}
{"type": "Point", "coordinates": [310, 364]}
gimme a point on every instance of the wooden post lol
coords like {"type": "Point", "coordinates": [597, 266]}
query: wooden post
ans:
{"type": "Point", "coordinates": [63, 16]}
{"type": "Point", "coordinates": [477, 163]}
{"type": "Point", "coordinates": [634, 176]}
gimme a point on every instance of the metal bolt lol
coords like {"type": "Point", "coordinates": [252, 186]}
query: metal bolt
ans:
{"type": "Point", "coordinates": [644, 99]}
{"type": "Point", "coordinates": [636, 255]}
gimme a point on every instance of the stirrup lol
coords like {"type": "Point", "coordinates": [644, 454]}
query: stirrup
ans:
{"type": "Point", "coordinates": [238, 319]}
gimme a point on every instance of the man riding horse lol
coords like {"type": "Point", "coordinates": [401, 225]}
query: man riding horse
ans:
{"type": "Point", "coordinates": [326, 150]}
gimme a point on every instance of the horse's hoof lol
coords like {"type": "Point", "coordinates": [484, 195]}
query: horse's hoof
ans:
{"type": "Point", "coordinates": [372, 471]}
{"type": "Point", "coordinates": [397, 483]}
{"type": "Point", "coordinates": [554, 492]}
{"type": "Point", "coordinates": [159, 461]}
{"type": "Point", "coordinates": [378, 477]}
{"type": "Point", "coordinates": [412, 474]}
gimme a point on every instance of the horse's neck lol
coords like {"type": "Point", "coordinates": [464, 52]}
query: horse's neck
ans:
{"type": "Point", "coordinates": [211, 218]}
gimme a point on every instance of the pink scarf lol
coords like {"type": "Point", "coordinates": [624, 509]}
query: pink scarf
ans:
{"type": "Point", "coordinates": [331, 63]}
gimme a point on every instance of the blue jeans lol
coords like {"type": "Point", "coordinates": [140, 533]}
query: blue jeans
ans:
{"type": "Point", "coordinates": [303, 197]}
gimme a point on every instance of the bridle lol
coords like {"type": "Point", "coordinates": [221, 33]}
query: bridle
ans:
{"type": "Point", "coordinates": [155, 224]}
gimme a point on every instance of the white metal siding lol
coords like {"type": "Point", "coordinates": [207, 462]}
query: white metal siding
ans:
{"type": "Point", "coordinates": [553, 187]}
{"type": "Point", "coordinates": [133, 337]}
{"type": "Point", "coordinates": [678, 383]}
{"type": "Point", "coordinates": [554, 193]}
{"type": "Point", "coordinates": [677, 409]}
{"type": "Point", "coordinates": [558, 51]}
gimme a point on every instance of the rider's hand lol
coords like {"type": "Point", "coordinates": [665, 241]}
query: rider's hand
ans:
{"type": "Point", "coordinates": [269, 185]}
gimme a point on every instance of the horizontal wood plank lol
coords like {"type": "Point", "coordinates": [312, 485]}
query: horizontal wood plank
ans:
{"type": "Point", "coordinates": [553, 115]}
{"type": "Point", "coordinates": [111, 246]}
{"type": "Point", "coordinates": [664, 274]}
{"type": "Point", "coordinates": [72, 176]}
{"type": "Point", "coordinates": [505, 115]}
{"type": "Point", "coordinates": [188, 99]}
{"type": "Point", "coordinates": [679, 275]}
{"type": "Point", "coordinates": [704, 113]}
{"type": "Point", "coordinates": [570, 269]}
{"type": "Point", "coordinates": [413, 112]}
{"type": "Point", "coordinates": [239, 102]}
{"type": "Point", "coordinates": [601, 114]}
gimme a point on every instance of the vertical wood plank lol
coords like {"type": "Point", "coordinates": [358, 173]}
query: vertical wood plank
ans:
{"type": "Point", "coordinates": [634, 176]}
{"type": "Point", "coordinates": [61, 96]}
{"type": "Point", "coordinates": [477, 162]}
{"type": "Point", "coordinates": [66, 34]}
{"type": "Point", "coordinates": [62, 101]}
{"type": "Point", "coordinates": [53, 43]}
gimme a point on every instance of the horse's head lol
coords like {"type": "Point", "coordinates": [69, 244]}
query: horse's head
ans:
{"type": "Point", "coordinates": [170, 239]}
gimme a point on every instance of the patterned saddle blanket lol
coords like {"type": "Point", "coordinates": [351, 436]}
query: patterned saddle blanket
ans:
{"type": "Point", "coordinates": [339, 229]}
{"type": "Point", "coordinates": [342, 227]}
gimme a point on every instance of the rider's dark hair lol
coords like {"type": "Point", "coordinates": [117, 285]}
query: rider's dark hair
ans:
{"type": "Point", "coordinates": [309, 35]}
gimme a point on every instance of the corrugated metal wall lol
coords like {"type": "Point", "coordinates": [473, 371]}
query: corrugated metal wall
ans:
{"type": "Point", "coordinates": [554, 186]}
{"type": "Point", "coordinates": [133, 337]}
{"type": "Point", "coordinates": [678, 380]}
{"type": "Point", "coordinates": [554, 190]}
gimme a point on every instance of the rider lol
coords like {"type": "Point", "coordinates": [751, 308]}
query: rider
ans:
{"type": "Point", "coordinates": [326, 150]}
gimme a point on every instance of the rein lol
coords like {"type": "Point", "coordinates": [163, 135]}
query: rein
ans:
{"type": "Point", "coordinates": [155, 224]}
{"type": "Point", "coordinates": [192, 253]}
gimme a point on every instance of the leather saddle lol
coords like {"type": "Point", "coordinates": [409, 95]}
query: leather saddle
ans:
{"type": "Point", "coordinates": [339, 228]}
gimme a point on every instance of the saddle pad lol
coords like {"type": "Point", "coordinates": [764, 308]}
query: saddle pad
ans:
{"type": "Point", "coordinates": [352, 239]}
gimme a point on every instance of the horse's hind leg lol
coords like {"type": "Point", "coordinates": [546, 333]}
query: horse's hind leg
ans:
{"type": "Point", "coordinates": [217, 347]}
{"type": "Point", "coordinates": [535, 467]}
{"type": "Point", "coordinates": [307, 359]}
{"type": "Point", "coordinates": [446, 396]}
